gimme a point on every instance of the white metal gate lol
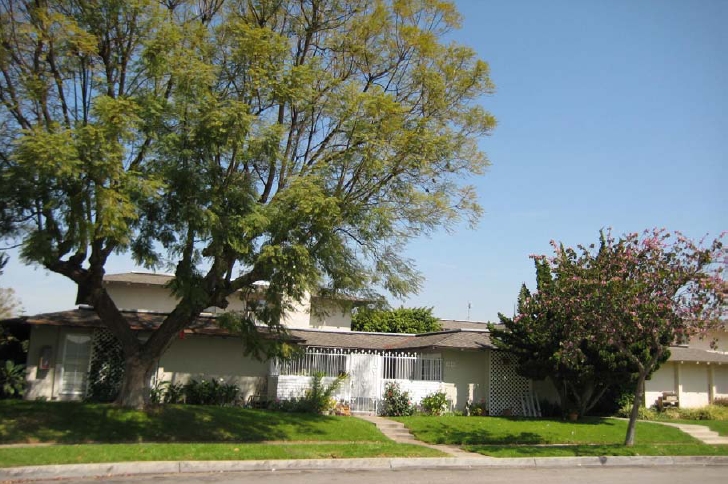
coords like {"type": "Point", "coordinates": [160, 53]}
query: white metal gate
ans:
{"type": "Point", "coordinates": [365, 381]}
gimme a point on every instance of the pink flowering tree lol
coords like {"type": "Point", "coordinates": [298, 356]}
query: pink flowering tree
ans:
{"type": "Point", "coordinates": [637, 295]}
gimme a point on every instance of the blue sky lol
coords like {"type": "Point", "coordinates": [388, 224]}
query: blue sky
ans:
{"type": "Point", "coordinates": [611, 114]}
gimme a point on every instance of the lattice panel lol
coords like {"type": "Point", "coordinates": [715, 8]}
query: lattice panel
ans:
{"type": "Point", "coordinates": [106, 368]}
{"type": "Point", "coordinates": [507, 388]}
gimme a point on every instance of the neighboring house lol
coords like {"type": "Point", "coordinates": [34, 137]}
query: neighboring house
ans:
{"type": "Point", "coordinates": [459, 360]}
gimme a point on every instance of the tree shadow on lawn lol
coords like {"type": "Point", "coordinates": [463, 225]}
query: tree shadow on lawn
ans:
{"type": "Point", "coordinates": [552, 451]}
{"type": "Point", "coordinates": [441, 432]}
{"type": "Point", "coordinates": [73, 422]}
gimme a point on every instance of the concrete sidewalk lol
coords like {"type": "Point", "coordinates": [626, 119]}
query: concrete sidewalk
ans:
{"type": "Point", "coordinates": [400, 434]}
{"type": "Point", "coordinates": [700, 432]}
{"type": "Point", "coordinates": [78, 471]}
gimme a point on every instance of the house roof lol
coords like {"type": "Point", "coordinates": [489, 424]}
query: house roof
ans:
{"type": "Point", "coordinates": [694, 355]}
{"type": "Point", "coordinates": [458, 324]}
{"type": "Point", "coordinates": [463, 338]}
{"type": "Point", "coordinates": [146, 278]}
{"type": "Point", "coordinates": [147, 321]}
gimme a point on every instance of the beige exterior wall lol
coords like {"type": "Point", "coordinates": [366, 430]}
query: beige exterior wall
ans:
{"type": "Point", "coordinates": [46, 384]}
{"type": "Point", "coordinates": [157, 299]}
{"type": "Point", "coordinates": [41, 382]}
{"type": "Point", "coordinates": [663, 380]}
{"type": "Point", "coordinates": [468, 371]}
{"type": "Point", "coordinates": [694, 384]}
{"type": "Point", "coordinates": [329, 316]}
{"type": "Point", "coordinates": [213, 357]}
{"type": "Point", "coordinates": [720, 381]}
{"type": "Point", "coordinates": [147, 298]}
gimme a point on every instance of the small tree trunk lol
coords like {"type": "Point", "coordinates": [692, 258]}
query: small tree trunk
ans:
{"type": "Point", "coordinates": [636, 404]}
{"type": "Point", "coordinates": [135, 389]}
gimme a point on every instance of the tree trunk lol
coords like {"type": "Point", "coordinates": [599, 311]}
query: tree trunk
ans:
{"type": "Point", "coordinates": [636, 404]}
{"type": "Point", "coordinates": [135, 388]}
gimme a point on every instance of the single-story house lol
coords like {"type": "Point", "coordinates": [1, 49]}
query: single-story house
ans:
{"type": "Point", "coordinates": [460, 360]}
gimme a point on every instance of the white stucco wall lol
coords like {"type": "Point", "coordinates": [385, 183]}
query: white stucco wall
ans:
{"type": "Point", "coordinates": [720, 380]}
{"type": "Point", "coordinates": [329, 316]}
{"type": "Point", "coordinates": [148, 298]}
{"type": "Point", "coordinates": [467, 372]}
{"type": "Point", "coordinates": [693, 382]}
{"type": "Point", "coordinates": [663, 380]}
{"type": "Point", "coordinates": [41, 382]}
{"type": "Point", "coordinates": [209, 357]}
{"type": "Point", "coordinates": [156, 298]}
{"type": "Point", "coordinates": [47, 383]}
{"type": "Point", "coordinates": [418, 389]}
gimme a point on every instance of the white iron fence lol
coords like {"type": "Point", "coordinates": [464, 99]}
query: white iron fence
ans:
{"type": "Point", "coordinates": [367, 372]}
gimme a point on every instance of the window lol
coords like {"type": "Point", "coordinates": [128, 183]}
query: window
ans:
{"type": "Point", "coordinates": [76, 353]}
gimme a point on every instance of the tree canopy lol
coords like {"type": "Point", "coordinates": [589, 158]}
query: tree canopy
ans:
{"type": "Point", "coordinates": [298, 142]}
{"type": "Point", "coordinates": [634, 297]}
{"type": "Point", "coordinates": [401, 320]}
{"type": "Point", "coordinates": [536, 336]}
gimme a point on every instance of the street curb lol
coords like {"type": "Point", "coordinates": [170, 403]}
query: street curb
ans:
{"type": "Point", "coordinates": [32, 473]}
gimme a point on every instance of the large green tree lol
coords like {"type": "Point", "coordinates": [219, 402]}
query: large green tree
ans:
{"type": "Point", "coordinates": [401, 320]}
{"type": "Point", "coordinates": [300, 142]}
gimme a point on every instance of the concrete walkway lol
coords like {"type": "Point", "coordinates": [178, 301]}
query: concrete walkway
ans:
{"type": "Point", "coordinates": [399, 433]}
{"type": "Point", "coordinates": [700, 432]}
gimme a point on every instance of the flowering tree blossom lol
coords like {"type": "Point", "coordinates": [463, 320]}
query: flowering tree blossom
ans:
{"type": "Point", "coordinates": [637, 295]}
{"type": "Point", "coordinates": [538, 335]}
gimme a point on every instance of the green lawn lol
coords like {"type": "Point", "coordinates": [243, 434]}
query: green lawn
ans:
{"type": "Point", "coordinates": [90, 453]}
{"type": "Point", "coordinates": [72, 423]}
{"type": "Point", "coordinates": [505, 430]}
{"type": "Point", "coordinates": [597, 450]}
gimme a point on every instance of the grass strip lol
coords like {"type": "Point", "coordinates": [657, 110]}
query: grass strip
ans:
{"type": "Point", "coordinates": [515, 430]}
{"type": "Point", "coordinates": [598, 450]}
{"type": "Point", "coordinates": [75, 422]}
{"type": "Point", "coordinates": [96, 453]}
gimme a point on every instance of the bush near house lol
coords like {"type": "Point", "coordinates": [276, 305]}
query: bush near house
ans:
{"type": "Point", "coordinates": [434, 404]}
{"type": "Point", "coordinates": [710, 412]}
{"type": "Point", "coordinates": [396, 402]}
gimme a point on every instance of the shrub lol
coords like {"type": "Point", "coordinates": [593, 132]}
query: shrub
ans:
{"type": "Point", "coordinates": [396, 402]}
{"type": "Point", "coordinates": [721, 402]}
{"type": "Point", "coordinates": [319, 398]}
{"type": "Point", "coordinates": [644, 413]}
{"type": "Point", "coordinates": [478, 409]}
{"type": "Point", "coordinates": [168, 392]}
{"type": "Point", "coordinates": [550, 409]}
{"type": "Point", "coordinates": [711, 412]}
{"type": "Point", "coordinates": [435, 403]}
{"type": "Point", "coordinates": [12, 380]}
{"type": "Point", "coordinates": [210, 392]}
